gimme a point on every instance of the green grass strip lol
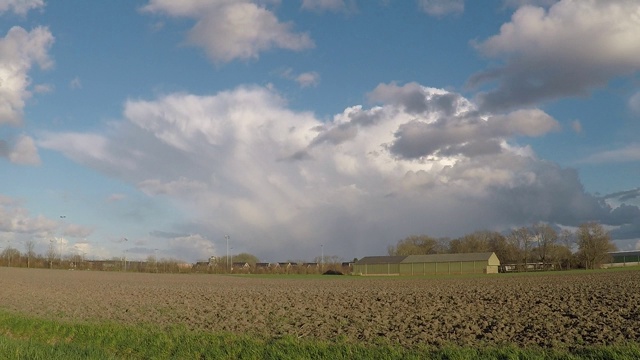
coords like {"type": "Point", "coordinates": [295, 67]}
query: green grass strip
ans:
{"type": "Point", "coordinates": [23, 337]}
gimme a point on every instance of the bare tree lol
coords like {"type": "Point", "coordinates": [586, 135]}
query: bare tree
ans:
{"type": "Point", "coordinates": [10, 254]}
{"type": "Point", "coordinates": [504, 250]}
{"type": "Point", "coordinates": [51, 253]}
{"type": "Point", "coordinates": [416, 245]}
{"type": "Point", "coordinates": [594, 245]}
{"type": "Point", "coordinates": [545, 237]}
{"type": "Point", "coordinates": [567, 238]}
{"type": "Point", "coordinates": [75, 260]}
{"type": "Point", "coordinates": [29, 247]}
{"type": "Point", "coordinates": [565, 247]}
{"type": "Point", "coordinates": [521, 240]}
{"type": "Point", "coordinates": [246, 258]}
{"type": "Point", "coordinates": [475, 242]}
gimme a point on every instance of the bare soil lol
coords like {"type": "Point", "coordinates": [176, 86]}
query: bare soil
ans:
{"type": "Point", "coordinates": [548, 310]}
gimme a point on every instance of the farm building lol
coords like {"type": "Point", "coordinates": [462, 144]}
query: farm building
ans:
{"type": "Point", "coordinates": [624, 258]}
{"type": "Point", "coordinates": [435, 264]}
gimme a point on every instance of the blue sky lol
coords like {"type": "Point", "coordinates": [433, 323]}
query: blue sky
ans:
{"type": "Point", "coordinates": [294, 124]}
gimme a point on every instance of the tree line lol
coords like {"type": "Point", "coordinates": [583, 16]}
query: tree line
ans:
{"type": "Point", "coordinates": [242, 263]}
{"type": "Point", "coordinates": [539, 246]}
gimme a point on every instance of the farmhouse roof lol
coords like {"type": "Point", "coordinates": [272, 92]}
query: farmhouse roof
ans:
{"type": "Point", "coordinates": [447, 257]}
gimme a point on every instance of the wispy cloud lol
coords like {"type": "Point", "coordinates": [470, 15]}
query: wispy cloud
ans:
{"type": "Point", "coordinates": [305, 79]}
{"type": "Point", "coordinates": [634, 103]}
{"type": "Point", "coordinates": [441, 7]}
{"type": "Point", "coordinates": [116, 197]}
{"type": "Point", "coordinates": [520, 3]}
{"type": "Point", "coordinates": [629, 153]}
{"type": "Point", "coordinates": [43, 88]}
{"type": "Point", "coordinates": [20, 7]}
{"type": "Point", "coordinates": [75, 83]}
{"type": "Point", "coordinates": [576, 125]}
{"type": "Point", "coordinates": [324, 5]}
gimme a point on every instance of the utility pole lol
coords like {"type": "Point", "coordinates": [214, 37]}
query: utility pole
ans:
{"type": "Point", "coordinates": [125, 255]}
{"type": "Point", "coordinates": [321, 257]}
{"type": "Point", "coordinates": [231, 260]}
{"type": "Point", "coordinates": [52, 254]}
{"type": "Point", "coordinates": [63, 217]}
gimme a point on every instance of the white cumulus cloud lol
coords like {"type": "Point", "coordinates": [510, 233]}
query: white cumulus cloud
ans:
{"type": "Point", "coordinates": [16, 219]}
{"type": "Point", "coordinates": [565, 50]}
{"type": "Point", "coordinates": [229, 30]}
{"type": "Point", "coordinates": [308, 79]}
{"type": "Point", "coordinates": [24, 152]}
{"type": "Point", "coordinates": [19, 51]}
{"type": "Point", "coordinates": [305, 79]}
{"type": "Point", "coordinates": [241, 162]}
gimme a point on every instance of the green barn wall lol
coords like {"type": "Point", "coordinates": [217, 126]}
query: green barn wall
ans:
{"type": "Point", "coordinates": [440, 268]}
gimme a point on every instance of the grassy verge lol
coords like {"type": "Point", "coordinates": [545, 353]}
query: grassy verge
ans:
{"type": "Point", "coordinates": [23, 337]}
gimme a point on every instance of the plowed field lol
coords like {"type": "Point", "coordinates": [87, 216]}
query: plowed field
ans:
{"type": "Point", "coordinates": [550, 310]}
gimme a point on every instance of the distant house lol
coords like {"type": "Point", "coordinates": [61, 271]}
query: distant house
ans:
{"type": "Point", "coordinates": [240, 265]}
{"type": "Point", "coordinates": [105, 264]}
{"type": "Point", "coordinates": [204, 265]}
{"type": "Point", "coordinates": [434, 264]}
{"type": "Point", "coordinates": [201, 264]}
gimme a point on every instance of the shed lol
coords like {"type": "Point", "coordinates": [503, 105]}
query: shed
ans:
{"type": "Point", "coordinates": [434, 264]}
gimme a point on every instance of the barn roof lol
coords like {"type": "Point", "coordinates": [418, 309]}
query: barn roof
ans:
{"type": "Point", "coordinates": [447, 257]}
{"type": "Point", "coordinates": [625, 253]}
{"type": "Point", "coordinates": [431, 258]}
{"type": "Point", "coordinates": [370, 260]}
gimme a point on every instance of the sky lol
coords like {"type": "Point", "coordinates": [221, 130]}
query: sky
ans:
{"type": "Point", "coordinates": [134, 128]}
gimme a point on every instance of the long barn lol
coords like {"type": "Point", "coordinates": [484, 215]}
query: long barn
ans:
{"type": "Point", "coordinates": [624, 258]}
{"type": "Point", "coordinates": [435, 264]}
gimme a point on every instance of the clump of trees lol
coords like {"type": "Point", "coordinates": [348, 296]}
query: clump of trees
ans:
{"type": "Point", "coordinates": [539, 247]}
{"type": "Point", "coordinates": [594, 243]}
